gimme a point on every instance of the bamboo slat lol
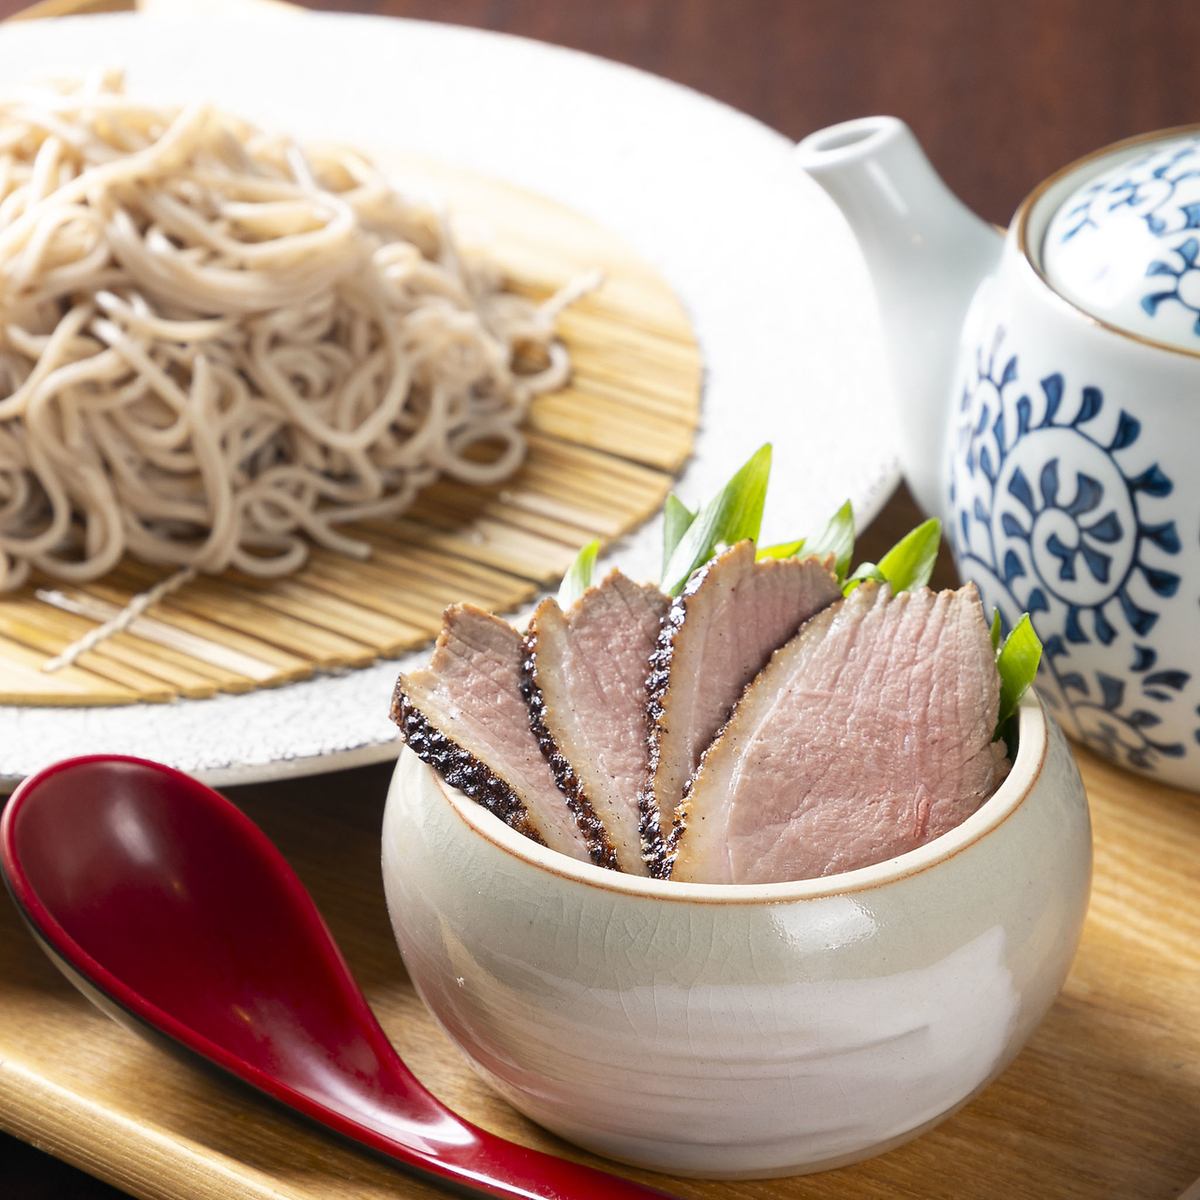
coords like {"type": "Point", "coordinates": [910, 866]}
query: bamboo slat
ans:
{"type": "Point", "coordinates": [602, 452]}
{"type": "Point", "coordinates": [45, 631]}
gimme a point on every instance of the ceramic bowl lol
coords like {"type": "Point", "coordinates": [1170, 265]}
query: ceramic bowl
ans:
{"type": "Point", "coordinates": [737, 1031]}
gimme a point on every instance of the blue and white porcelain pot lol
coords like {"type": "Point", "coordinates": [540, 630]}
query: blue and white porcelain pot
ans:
{"type": "Point", "coordinates": [1048, 382]}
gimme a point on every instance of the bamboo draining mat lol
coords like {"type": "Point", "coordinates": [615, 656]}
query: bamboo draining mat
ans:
{"type": "Point", "coordinates": [602, 454]}
{"type": "Point", "coordinates": [1104, 1102]}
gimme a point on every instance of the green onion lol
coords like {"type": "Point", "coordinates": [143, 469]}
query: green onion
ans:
{"type": "Point", "coordinates": [677, 518]}
{"type": "Point", "coordinates": [909, 563]}
{"type": "Point", "coordinates": [861, 574]}
{"type": "Point", "coordinates": [1017, 661]}
{"type": "Point", "coordinates": [997, 630]}
{"type": "Point", "coordinates": [780, 550]}
{"type": "Point", "coordinates": [837, 538]}
{"type": "Point", "coordinates": [578, 578]}
{"type": "Point", "coordinates": [731, 516]}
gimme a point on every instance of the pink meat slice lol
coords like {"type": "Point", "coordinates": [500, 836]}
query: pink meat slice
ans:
{"type": "Point", "coordinates": [717, 636]}
{"type": "Point", "coordinates": [867, 735]}
{"type": "Point", "coordinates": [466, 716]}
{"type": "Point", "coordinates": [586, 685]}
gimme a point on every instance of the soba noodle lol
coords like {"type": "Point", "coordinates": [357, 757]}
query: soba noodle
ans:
{"type": "Point", "coordinates": [217, 346]}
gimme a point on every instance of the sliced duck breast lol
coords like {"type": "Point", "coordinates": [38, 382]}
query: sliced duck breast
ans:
{"type": "Point", "coordinates": [716, 638]}
{"type": "Point", "coordinates": [867, 735]}
{"type": "Point", "coordinates": [585, 681]}
{"type": "Point", "coordinates": [466, 716]}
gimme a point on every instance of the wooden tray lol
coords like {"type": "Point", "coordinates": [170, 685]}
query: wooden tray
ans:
{"type": "Point", "coordinates": [602, 454]}
{"type": "Point", "coordinates": [1104, 1102]}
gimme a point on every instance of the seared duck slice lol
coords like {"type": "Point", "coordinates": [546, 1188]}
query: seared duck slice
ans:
{"type": "Point", "coordinates": [466, 716]}
{"type": "Point", "coordinates": [585, 680]}
{"type": "Point", "coordinates": [717, 636]}
{"type": "Point", "coordinates": [867, 735]}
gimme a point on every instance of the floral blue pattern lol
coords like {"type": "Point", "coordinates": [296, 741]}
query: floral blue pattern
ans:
{"type": "Point", "coordinates": [1163, 189]}
{"type": "Point", "coordinates": [1185, 274]}
{"type": "Point", "coordinates": [1051, 516]}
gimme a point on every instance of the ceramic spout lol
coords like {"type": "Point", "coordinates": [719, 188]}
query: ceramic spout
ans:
{"type": "Point", "coordinates": [927, 255]}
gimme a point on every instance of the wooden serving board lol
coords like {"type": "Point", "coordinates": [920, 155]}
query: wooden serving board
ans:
{"type": "Point", "coordinates": [1104, 1102]}
{"type": "Point", "coordinates": [602, 454]}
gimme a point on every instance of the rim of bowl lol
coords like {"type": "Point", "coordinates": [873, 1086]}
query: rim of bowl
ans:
{"type": "Point", "coordinates": [1032, 749]}
{"type": "Point", "coordinates": [1024, 215]}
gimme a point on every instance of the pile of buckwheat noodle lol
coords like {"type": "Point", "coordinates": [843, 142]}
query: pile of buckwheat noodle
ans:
{"type": "Point", "coordinates": [217, 346]}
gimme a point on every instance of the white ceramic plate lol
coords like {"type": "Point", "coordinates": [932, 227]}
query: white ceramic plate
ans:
{"type": "Point", "coordinates": [766, 267]}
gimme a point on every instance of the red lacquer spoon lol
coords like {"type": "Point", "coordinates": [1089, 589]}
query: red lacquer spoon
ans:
{"type": "Point", "coordinates": [170, 909]}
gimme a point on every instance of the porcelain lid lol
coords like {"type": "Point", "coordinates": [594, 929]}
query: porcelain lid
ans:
{"type": "Point", "coordinates": [1125, 244]}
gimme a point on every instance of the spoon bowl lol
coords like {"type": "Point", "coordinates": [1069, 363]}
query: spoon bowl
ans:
{"type": "Point", "coordinates": [173, 911]}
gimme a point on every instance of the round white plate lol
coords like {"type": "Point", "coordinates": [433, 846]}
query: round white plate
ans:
{"type": "Point", "coordinates": [767, 269]}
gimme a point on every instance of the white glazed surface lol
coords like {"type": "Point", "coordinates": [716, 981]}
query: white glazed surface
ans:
{"type": "Point", "coordinates": [926, 252]}
{"type": "Point", "coordinates": [780, 302]}
{"type": "Point", "coordinates": [1066, 476]}
{"type": "Point", "coordinates": [1124, 245]}
{"type": "Point", "coordinates": [739, 1032]}
{"type": "Point", "coordinates": [1091, 516]}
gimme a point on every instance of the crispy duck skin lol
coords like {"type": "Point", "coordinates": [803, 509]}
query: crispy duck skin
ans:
{"type": "Point", "coordinates": [585, 680]}
{"type": "Point", "coordinates": [866, 736]}
{"type": "Point", "coordinates": [717, 636]}
{"type": "Point", "coordinates": [466, 716]}
{"type": "Point", "coordinates": [458, 768]}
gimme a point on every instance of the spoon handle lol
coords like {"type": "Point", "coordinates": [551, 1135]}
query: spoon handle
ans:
{"type": "Point", "coordinates": [207, 897]}
{"type": "Point", "coordinates": [544, 1177]}
{"type": "Point", "coordinates": [470, 1161]}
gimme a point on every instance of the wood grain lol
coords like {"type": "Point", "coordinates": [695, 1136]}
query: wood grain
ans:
{"type": "Point", "coordinates": [602, 454]}
{"type": "Point", "coordinates": [1000, 92]}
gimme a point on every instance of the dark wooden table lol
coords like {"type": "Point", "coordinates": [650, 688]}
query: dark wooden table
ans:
{"type": "Point", "coordinates": [999, 91]}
